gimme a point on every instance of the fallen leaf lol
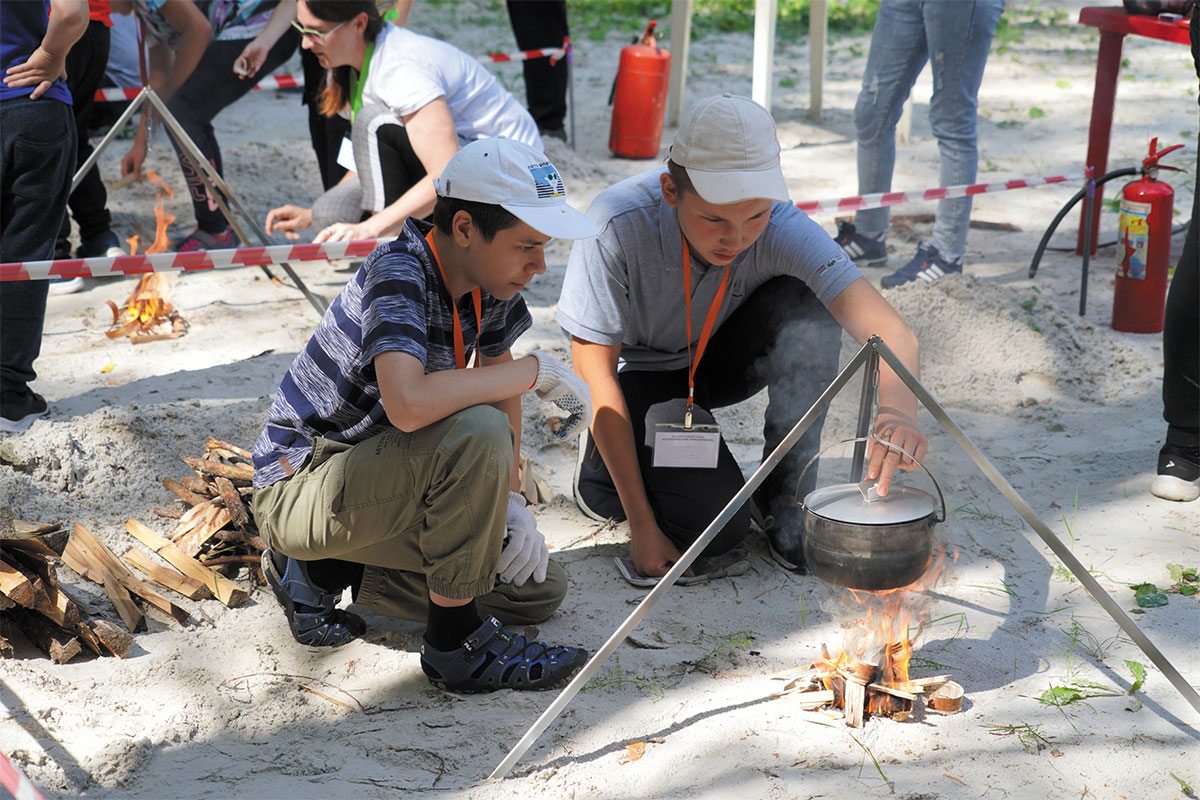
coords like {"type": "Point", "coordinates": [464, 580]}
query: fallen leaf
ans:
{"type": "Point", "coordinates": [633, 751]}
{"type": "Point", "coordinates": [107, 368]}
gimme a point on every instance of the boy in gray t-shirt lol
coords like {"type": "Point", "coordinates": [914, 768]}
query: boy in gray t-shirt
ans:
{"type": "Point", "coordinates": [769, 294]}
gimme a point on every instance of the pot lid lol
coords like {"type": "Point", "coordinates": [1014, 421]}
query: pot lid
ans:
{"type": "Point", "coordinates": [844, 502]}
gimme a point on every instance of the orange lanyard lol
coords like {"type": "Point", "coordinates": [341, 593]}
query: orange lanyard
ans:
{"type": "Point", "coordinates": [460, 358]}
{"type": "Point", "coordinates": [705, 332]}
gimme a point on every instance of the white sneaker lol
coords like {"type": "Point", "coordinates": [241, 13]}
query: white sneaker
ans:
{"type": "Point", "coordinates": [66, 285]}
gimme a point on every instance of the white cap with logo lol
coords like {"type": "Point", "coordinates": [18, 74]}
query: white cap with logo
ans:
{"type": "Point", "coordinates": [729, 148]}
{"type": "Point", "coordinates": [519, 179]}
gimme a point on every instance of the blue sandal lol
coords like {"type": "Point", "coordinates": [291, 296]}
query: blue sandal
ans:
{"type": "Point", "coordinates": [492, 659]}
{"type": "Point", "coordinates": [310, 610]}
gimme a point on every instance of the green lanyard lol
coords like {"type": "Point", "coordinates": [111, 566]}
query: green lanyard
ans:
{"type": "Point", "coordinates": [356, 88]}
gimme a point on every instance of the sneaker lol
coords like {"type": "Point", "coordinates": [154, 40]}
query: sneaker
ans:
{"type": "Point", "coordinates": [491, 659]}
{"type": "Point", "coordinates": [311, 614]}
{"type": "Point", "coordinates": [18, 411]}
{"type": "Point", "coordinates": [553, 133]}
{"type": "Point", "coordinates": [1178, 473]}
{"type": "Point", "coordinates": [864, 250]}
{"type": "Point", "coordinates": [105, 244]}
{"type": "Point", "coordinates": [66, 285]}
{"type": "Point", "coordinates": [927, 264]}
{"type": "Point", "coordinates": [203, 240]}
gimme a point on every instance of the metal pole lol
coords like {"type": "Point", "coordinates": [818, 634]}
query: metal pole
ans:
{"type": "Point", "coordinates": [571, 87]}
{"type": "Point", "coordinates": [215, 181]}
{"type": "Point", "coordinates": [134, 104]}
{"type": "Point", "coordinates": [1088, 199]}
{"type": "Point", "coordinates": [643, 608]}
{"type": "Point", "coordinates": [1053, 542]}
{"type": "Point", "coordinates": [866, 402]}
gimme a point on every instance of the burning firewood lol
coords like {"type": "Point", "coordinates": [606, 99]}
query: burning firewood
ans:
{"type": "Point", "coordinates": [147, 315]}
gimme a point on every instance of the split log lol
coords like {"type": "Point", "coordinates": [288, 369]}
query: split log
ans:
{"type": "Point", "coordinates": [37, 538]}
{"type": "Point", "coordinates": [194, 483]}
{"type": "Point", "coordinates": [217, 444]}
{"type": "Point", "coordinates": [233, 503]}
{"type": "Point", "coordinates": [854, 701]}
{"type": "Point", "coordinates": [55, 642]}
{"type": "Point", "coordinates": [947, 699]}
{"type": "Point", "coordinates": [185, 494]}
{"type": "Point", "coordinates": [165, 576]}
{"type": "Point", "coordinates": [815, 699]}
{"type": "Point", "coordinates": [131, 615]}
{"type": "Point", "coordinates": [15, 586]}
{"type": "Point", "coordinates": [199, 531]}
{"type": "Point", "coordinates": [167, 513]}
{"type": "Point", "coordinates": [99, 561]}
{"type": "Point", "coordinates": [112, 638]}
{"type": "Point", "coordinates": [235, 472]}
{"type": "Point", "coordinates": [225, 590]}
{"type": "Point", "coordinates": [892, 690]}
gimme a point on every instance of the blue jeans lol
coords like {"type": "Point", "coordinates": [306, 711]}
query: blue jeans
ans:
{"type": "Point", "coordinates": [955, 36]}
{"type": "Point", "coordinates": [38, 141]}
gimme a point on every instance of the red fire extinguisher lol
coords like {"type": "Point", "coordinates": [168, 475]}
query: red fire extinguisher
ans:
{"type": "Point", "coordinates": [1144, 248]}
{"type": "Point", "coordinates": [639, 98]}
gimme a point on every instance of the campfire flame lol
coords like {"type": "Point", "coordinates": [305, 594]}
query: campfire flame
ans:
{"type": "Point", "coordinates": [162, 218]}
{"type": "Point", "coordinates": [132, 241]}
{"type": "Point", "coordinates": [877, 646]}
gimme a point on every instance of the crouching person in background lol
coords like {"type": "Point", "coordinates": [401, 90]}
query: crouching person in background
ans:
{"type": "Point", "coordinates": [389, 466]}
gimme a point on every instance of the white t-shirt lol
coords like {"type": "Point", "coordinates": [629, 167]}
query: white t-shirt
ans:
{"type": "Point", "coordinates": [408, 71]}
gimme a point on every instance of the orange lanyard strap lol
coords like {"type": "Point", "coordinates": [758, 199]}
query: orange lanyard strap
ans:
{"type": "Point", "coordinates": [460, 349]}
{"type": "Point", "coordinates": [706, 331]}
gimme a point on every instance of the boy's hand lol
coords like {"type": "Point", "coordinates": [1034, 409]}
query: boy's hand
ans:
{"type": "Point", "coordinates": [289, 219]}
{"type": "Point", "coordinates": [653, 553]}
{"type": "Point", "coordinates": [525, 554]}
{"type": "Point", "coordinates": [902, 431]}
{"type": "Point", "coordinates": [557, 384]}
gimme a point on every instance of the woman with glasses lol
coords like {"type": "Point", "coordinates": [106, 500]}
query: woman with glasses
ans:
{"type": "Point", "coordinates": [198, 64]}
{"type": "Point", "coordinates": [413, 100]}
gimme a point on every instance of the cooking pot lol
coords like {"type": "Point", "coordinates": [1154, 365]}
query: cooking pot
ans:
{"type": "Point", "coordinates": [870, 544]}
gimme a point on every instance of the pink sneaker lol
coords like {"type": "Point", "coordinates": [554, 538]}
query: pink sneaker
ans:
{"type": "Point", "coordinates": [203, 240]}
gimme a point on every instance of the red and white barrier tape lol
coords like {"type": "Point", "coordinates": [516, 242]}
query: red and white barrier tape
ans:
{"type": "Point", "coordinates": [882, 199]}
{"type": "Point", "coordinates": [12, 779]}
{"type": "Point", "coordinates": [104, 266]}
{"type": "Point", "coordinates": [297, 81]}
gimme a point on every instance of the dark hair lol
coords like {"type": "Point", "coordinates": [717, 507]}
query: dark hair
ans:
{"type": "Point", "coordinates": [679, 177]}
{"type": "Point", "coordinates": [336, 91]}
{"type": "Point", "coordinates": [488, 219]}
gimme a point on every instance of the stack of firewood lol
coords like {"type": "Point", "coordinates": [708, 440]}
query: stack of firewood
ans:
{"type": "Point", "coordinates": [32, 601]}
{"type": "Point", "coordinates": [214, 525]}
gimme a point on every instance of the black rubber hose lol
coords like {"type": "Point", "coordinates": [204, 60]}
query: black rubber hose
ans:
{"type": "Point", "coordinates": [1041, 248]}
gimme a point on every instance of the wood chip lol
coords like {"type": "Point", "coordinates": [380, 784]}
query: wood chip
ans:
{"type": "Point", "coordinates": [947, 699]}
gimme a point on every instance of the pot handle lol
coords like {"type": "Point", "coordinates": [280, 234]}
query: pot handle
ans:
{"type": "Point", "coordinates": [941, 499]}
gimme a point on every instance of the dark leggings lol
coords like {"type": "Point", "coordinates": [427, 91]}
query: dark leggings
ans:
{"type": "Point", "coordinates": [1181, 341]}
{"type": "Point", "coordinates": [208, 90]}
{"type": "Point", "coordinates": [85, 70]}
{"type": "Point", "coordinates": [781, 338]}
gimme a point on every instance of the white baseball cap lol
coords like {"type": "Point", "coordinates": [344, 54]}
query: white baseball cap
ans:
{"type": "Point", "coordinates": [519, 179]}
{"type": "Point", "coordinates": [729, 148]}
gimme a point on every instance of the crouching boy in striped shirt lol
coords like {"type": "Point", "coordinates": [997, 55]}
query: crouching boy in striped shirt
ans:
{"type": "Point", "coordinates": [389, 466]}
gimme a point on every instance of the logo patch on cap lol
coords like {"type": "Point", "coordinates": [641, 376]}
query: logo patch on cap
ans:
{"type": "Point", "coordinates": [547, 180]}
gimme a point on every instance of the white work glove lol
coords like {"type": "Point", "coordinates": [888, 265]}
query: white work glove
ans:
{"type": "Point", "coordinates": [557, 384]}
{"type": "Point", "coordinates": [525, 553]}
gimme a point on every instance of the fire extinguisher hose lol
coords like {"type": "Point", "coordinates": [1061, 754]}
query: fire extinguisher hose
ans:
{"type": "Point", "coordinates": [1041, 248]}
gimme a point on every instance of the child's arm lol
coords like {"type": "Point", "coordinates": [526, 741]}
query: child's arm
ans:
{"type": "Point", "coordinates": [68, 20]}
{"type": "Point", "coordinates": [414, 399]}
{"type": "Point", "coordinates": [862, 312]}
{"type": "Point", "coordinates": [512, 407]}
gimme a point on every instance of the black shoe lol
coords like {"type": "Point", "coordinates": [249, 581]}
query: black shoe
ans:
{"type": "Point", "coordinates": [1178, 473]}
{"type": "Point", "coordinates": [554, 133]}
{"type": "Point", "coordinates": [103, 244]}
{"type": "Point", "coordinates": [491, 659]}
{"type": "Point", "coordinates": [18, 411]}
{"type": "Point", "coordinates": [310, 609]}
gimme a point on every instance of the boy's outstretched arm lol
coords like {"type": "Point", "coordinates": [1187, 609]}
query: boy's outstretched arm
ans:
{"type": "Point", "coordinates": [862, 312]}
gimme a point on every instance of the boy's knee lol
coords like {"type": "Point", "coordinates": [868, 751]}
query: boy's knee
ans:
{"type": "Point", "coordinates": [528, 604]}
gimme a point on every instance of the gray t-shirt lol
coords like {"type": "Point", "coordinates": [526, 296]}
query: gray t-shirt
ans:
{"type": "Point", "coordinates": [625, 286]}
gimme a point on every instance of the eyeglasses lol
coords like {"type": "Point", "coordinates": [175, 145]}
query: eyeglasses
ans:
{"type": "Point", "coordinates": [315, 36]}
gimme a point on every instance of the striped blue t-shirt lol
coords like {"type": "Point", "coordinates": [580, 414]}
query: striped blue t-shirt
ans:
{"type": "Point", "coordinates": [395, 302]}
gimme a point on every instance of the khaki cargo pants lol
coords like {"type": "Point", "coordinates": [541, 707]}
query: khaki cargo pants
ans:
{"type": "Point", "coordinates": [422, 510]}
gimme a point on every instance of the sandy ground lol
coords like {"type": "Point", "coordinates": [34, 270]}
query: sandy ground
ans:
{"type": "Point", "coordinates": [1067, 410]}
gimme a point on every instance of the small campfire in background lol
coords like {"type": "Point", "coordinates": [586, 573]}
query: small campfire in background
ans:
{"type": "Point", "coordinates": [869, 677]}
{"type": "Point", "coordinates": [147, 315]}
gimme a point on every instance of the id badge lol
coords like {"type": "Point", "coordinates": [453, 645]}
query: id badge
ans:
{"type": "Point", "coordinates": [345, 157]}
{"type": "Point", "coordinates": [678, 446]}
